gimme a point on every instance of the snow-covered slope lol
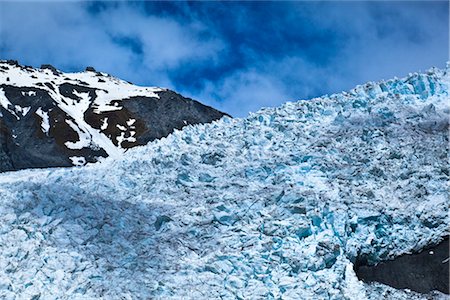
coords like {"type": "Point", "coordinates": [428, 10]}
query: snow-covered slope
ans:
{"type": "Point", "coordinates": [275, 206]}
{"type": "Point", "coordinates": [50, 118]}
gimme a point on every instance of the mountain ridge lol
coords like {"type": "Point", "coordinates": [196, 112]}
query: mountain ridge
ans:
{"type": "Point", "coordinates": [50, 118]}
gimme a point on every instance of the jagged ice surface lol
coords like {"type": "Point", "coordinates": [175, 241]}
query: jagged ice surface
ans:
{"type": "Point", "coordinates": [274, 206]}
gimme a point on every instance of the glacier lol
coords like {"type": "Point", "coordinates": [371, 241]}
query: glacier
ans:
{"type": "Point", "coordinates": [278, 205]}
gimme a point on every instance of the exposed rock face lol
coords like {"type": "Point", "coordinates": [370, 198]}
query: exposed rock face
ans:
{"type": "Point", "coordinates": [421, 272]}
{"type": "Point", "coordinates": [54, 119]}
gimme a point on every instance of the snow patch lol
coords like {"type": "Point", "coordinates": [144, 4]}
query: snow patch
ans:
{"type": "Point", "coordinates": [45, 124]}
{"type": "Point", "coordinates": [22, 110]}
{"type": "Point", "coordinates": [6, 104]}
{"type": "Point", "coordinates": [121, 138]}
{"type": "Point", "coordinates": [84, 139]}
{"type": "Point", "coordinates": [78, 160]}
{"type": "Point", "coordinates": [29, 93]}
{"type": "Point", "coordinates": [130, 122]}
{"type": "Point", "coordinates": [104, 125]}
{"type": "Point", "coordinates": [122, 128]}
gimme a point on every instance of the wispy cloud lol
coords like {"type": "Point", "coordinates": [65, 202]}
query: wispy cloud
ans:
{"type": "Point", "coordinates": [237, 56]}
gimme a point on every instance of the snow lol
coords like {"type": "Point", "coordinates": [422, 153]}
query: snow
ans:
{"type": "Point", "coordinates": [84, 137]}
{"type": "Point", "coordinates": [6, 103]}
{"type": "Point", "coordinates": [108, 90]}
{"type": "Point", "coordinates": [274, 206]}
{"type": "Point", "coordinates": [121, 138]}
{"type": "Point", "coordinates": [78, 160]}
{"type": "Point", "coordinates": [130, 122]}
{"type": "Point", "coordinates": [45, 124]}
{"type": "Point", "coordinates": [88, 136]}
{"type": "Point", "coordinates": [122, 128]}
{"type": "Point", "coordinates": [22, 110]}
{"type": "Point", "coordinates": [81, 105]}
{"type": "Point", "coordinates": [117, 89]}
{"type": "Point", "coordinates": [104, 124]}
{"type": "Point", "coordinates": [29, 93]}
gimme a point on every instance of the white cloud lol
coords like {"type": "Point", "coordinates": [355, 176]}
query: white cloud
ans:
{"type": "Point", "coordinates": [267, 84]}
{"type": "Point", "coordinates": [67, 35]}
{"type": "Point", "coordinates": [166, 42]}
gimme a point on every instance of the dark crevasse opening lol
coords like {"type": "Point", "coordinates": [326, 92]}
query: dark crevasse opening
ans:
{"type": "Point", "coordinates": [422, 272]}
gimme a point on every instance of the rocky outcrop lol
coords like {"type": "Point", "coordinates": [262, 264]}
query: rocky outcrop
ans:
{"type": "Point", "coordinates": [54, 119]}
{"type": "Point", "coordinates": [422, 272]}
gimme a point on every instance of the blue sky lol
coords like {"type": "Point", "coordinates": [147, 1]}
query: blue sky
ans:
{"type": "Point", "coordinates": [235, 56]}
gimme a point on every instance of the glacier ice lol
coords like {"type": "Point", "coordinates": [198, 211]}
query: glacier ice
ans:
{"type": "Point", "coordinates": [274, 206]}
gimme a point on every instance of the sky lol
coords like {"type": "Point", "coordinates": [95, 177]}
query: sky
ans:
{"type": "Point", "coordinates": [235, 56]}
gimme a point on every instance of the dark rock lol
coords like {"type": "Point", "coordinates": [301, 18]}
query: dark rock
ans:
{"type": "Point", "coordinates": [12, 62]}
{"type": "Point", "coordinates": [171, 111]}
{"type": "Point", "coordinates": [90, 69]}
{"type": "Point", "coordinates": [23, 144]}
{"type": "Point", "coordinates": [422, 272]}
{"type": "Point", "coordinates": [67, 90]}
{"type": "Point", "coordinates": [161, 220]}
{"type": "Point", "coordinates": [51, 68]}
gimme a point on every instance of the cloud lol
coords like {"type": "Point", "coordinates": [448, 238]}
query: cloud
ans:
{"type": "Point", "coordinates": [57, 33]}
{"type": "Point", "coordinates": [386, 39]}
{"type": "Point", "coordinates": [236, 56]}
{"type": "Point", "coordinates": [267, 84]}
{"type": "Point", "coordinates": [242, 92]}
{"type": "Point", "coordinates": [309, 49]}
{"type": "Point", "coordinates": [118, 39]}
{"type": "Point", "coordinates": [165, 42]}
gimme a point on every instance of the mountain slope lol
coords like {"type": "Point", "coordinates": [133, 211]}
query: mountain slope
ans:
{"type": "Point", "coordinates": [49, 118]}
{"type": "Point", "coordinates": [277, 205]}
